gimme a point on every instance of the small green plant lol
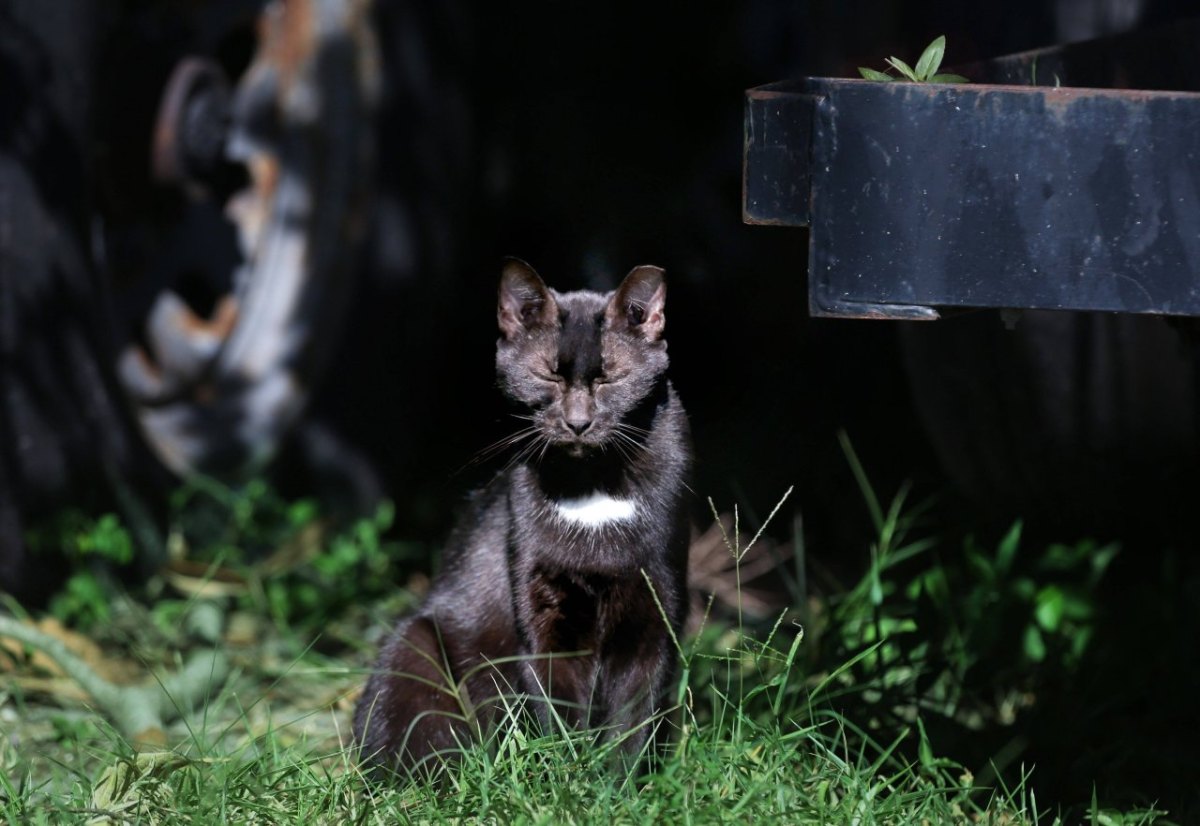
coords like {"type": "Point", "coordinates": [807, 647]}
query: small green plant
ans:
{"type": "Point", "coordinates": [297, 565]}
{"type": "Point", "coordinates": [293, 563]}
{"type": "Point", "coordinates": [963, 638]}
{"type": "Point", "coordinates": [1048, 602]}
{"type": "Point", "coordinates": [926, 70]}
{"type": "Point", "coordinates": [82, 602]}
{"type": "Point", "coordinates": [1001, 607]}
{"type": "Point", "coordinates": [356, 564]}
{"type": "Point", "coordinates": [88, 545]}
{"type": "Point", "coordinates": [71, 730]}
{"type": "Point", "coordinates": [869, 615]}
{"type": "Point", "coordinates": [236, 524]}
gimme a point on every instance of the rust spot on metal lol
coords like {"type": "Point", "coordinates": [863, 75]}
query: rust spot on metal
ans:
{"type": "Point", "coordinates": [264, 171]}
{"type": "Point", "coordinates": [1066, 93]}
{"type": "Point", "coordinates": [219, 326]}
{"type": "Point", "coordinates": [769, 94]}
{"type": "Point", "coordinates": [251, 209]}
{"type": "Point", "coordinates": [286, 37]}
{"type": "Point", "coordinates": [147, 364]}
{"type": "Point", "coordinates": [225, 317]}
{"type": "Point", "coordinates": [204, 393]}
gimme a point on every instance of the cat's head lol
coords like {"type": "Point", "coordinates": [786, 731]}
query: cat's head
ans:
{"type": "Point", "coordinates": [582, 362]}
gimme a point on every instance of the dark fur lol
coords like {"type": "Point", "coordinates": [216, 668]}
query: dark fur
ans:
{"type": "Point", "coordinates": [530, 603]}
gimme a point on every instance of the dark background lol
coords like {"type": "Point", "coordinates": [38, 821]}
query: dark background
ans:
{"type": "Point", "coordinates": [586, 139]}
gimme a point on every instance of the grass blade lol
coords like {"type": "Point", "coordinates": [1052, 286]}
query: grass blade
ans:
{"type": "Point", "coordinates": [864, 484]}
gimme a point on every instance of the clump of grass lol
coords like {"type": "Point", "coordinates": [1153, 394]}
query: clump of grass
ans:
{"type": "Point", "coordinates": [767, 725]}
{"type": "Point", "coordinates": [755, 735]}
{"type": "Point", "coordinates": [774, 751]}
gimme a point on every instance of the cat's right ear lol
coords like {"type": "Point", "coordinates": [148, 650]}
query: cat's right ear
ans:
{"type": "Point", "coordinates": [524, 300]}
{"type": "Point", "coordinates": [637, 305]}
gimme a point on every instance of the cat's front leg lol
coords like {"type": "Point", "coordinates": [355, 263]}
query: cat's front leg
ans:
{"type": "Point", "coordinates": [560, 685]}
{"type": "Point", "coordinates": [635, 691]}
{"type": "Point", "coordinates": [560, 667]}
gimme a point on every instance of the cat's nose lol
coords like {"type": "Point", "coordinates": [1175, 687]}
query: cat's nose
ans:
{"type": "Point", "coordinates": [578, 409]}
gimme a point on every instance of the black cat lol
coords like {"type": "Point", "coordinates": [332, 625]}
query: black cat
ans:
{"type": "Point", "coordinates": [546, 588]}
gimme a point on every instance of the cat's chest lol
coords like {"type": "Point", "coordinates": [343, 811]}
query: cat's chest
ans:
{"type": "Point", "coordinates": [594, 511]}
{"type": "Point", "coordinates": [598, 530]}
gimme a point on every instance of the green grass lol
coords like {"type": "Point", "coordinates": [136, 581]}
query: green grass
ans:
{"type": "Point", "coordinates": [773, 751]}
{"type": "Point", "coordinates": [838, 710]}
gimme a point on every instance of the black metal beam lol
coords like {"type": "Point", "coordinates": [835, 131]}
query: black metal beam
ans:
{"type": "Point", "coordinates": [929, 196]}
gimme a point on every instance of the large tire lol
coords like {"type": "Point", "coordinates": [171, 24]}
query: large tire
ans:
{"type": "Point", "coordinates": [110, 372]}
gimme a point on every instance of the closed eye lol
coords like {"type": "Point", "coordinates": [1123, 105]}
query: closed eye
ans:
{"type": "Point", "coordinates": [553, 378]}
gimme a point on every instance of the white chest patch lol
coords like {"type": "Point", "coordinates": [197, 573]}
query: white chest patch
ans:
{"type": "Point", "coordinates": [595, 510]}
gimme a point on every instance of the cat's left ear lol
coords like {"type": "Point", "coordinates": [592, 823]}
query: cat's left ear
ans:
{"type": "Point", "coordinates": [638, 303]}
{"type": "Point", "coordinates": [524, 300]}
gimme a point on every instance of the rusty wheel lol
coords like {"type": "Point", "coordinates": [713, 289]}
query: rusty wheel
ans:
{"type": "Point", "coordinates": [217, 387]}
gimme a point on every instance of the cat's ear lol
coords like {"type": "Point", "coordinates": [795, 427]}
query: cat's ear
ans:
{"type": "Point", "coordinates": [524, 301]}
{"type": "Point", "coordinates": [638, 303]}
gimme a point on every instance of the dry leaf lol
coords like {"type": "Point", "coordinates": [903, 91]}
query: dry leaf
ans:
{"type": "Point", "coordinates": [244, 629]}
{"type": "Point", "coordinates": [204, 581]}
{"type": "Point", "coordinates": [298, 549]}
{"type": "Point", "coordinates": [128, 788]}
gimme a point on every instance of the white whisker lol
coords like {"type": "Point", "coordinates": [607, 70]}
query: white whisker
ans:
{"type": "Point", "coordinates": [631, 447]}
{"type": "Point", "coordinates": [500, 445]}
{"type": "Point", "coordinates": [632, 428]}
{"type": "Point", "coordinates": [526, 451]}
